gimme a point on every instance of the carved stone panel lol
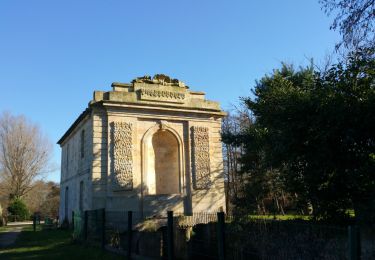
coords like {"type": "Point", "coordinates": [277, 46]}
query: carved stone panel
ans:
{"type": "Point", "coordinates": [201, 157]}
{"type": "Point", "coordinates": [162, 95]}
{"type": "Point", "coordinates": [123, 155]}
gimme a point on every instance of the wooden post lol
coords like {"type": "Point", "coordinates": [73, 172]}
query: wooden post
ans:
{"type": "Point", "coordinates": [130, 231]}
{"type": "Point", "coordinates": [85, 225]}
{"type": "Point", "coordinates": [354, 243]}
{"type": "Point", "coordinates": [34, 222]}
{"type": "Point", "coordinates": [221, 235]}
{"type": "Point", "coordinates": [103, 228]}
{"type": "Point", "coordinates": [170, 236]}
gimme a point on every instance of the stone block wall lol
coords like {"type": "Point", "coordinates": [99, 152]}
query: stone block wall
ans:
{"type": "Point", "coordinates": [76, 167]}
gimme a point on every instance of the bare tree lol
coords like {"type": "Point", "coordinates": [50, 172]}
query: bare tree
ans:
{"type": "Point", "coordinates": [43, 198]}
{"type": "Point", "coordinates": [24, 154]}
{"type": "Point", "coordinates": [355, 20]}
{"type": "Point", "coordinates": [232, 126]}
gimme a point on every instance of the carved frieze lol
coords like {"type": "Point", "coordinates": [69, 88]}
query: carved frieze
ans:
{"type": "Point", "coordinates": [162, 95]}
{"type": "Point", "coordinates": [123, 155]}
{"type": "Point", "coordinates": [201, 157]}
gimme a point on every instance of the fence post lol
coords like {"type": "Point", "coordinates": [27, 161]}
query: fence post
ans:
{"type": "Point", "coordinates": [130, 231]}
{"type": "Point", "coordinates": [34, 222]}
{"type": "Point", "coordinates": [86, 220]}
{"type": "Point", "coordinates": [170, 236]}
{"type": "Point", "coordinates": [220, 235]}
{"type": "Point", "coordinates": [73, 219]}
{"type": "Point", "coordinates": [103, 228]}
{"type": "Point", "coordinates": [354, 243]}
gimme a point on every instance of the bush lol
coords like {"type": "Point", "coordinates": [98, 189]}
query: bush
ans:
{"type": "Point", "coordinates": [18, 210]}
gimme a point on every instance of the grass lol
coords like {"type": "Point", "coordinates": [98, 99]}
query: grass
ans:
{"type": "Point", "coordinates": [3, 228]}
{"type": "Point", "coordinates": [51, 244]}
{"type": "Point", "coordinates": [6, 228]}
{"type": "Point", "coordinates": [350, 212]}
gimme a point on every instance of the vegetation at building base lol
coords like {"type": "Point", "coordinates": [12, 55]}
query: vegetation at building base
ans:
{"type": "Point", "coordinates": [311, 141]}
{"type": "Point", "coordinates": [51, 244]}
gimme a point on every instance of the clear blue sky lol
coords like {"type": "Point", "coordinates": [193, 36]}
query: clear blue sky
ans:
{"type": "Point", "coordinates": [54, 54]}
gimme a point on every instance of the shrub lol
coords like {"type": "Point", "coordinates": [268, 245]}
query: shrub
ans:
{"type": "Point", "coordinates": [17, 208]}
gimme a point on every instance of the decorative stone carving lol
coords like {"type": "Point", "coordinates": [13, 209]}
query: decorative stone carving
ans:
{"type": "Point", "coordinates": [160, 79]}
{"type": "Point", "coordinates": [123, 155]}
{"type": "Point", "coordinates": [162, 95]}
{"type": "Point", "coordinates": [163, 124]}
{"type": "Point", "coordinates": [201, 157]}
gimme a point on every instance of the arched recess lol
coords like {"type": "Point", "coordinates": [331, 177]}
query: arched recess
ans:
{"type": "Point", "coordinates": [159, 134]}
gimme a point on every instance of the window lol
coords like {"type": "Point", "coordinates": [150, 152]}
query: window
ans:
{"type": "Point", "coordinates": [83, 143]}
{"type": "Point", "coordinates": [67, 159]}
{"type": "Point", "coordinates": [66, 202]}
{"type": "Point", "coordinates": [81, 194]}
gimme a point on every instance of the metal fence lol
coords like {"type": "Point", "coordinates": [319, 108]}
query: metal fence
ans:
{"type": "Point", "coordinates": [218, 236]}
{"type": "Point", "coordinates": [285, 240]}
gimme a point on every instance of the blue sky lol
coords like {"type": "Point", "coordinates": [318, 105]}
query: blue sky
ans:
{"type": "Point", "coordinates": [54, 54]}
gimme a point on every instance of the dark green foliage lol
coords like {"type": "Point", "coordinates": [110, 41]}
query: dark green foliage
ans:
{"type": "Point", "coordinates": [315, 135]}
{"type": "Point", "coordinates": [17, 209]}
{"type": "Point", "coordinates": [260, 189]}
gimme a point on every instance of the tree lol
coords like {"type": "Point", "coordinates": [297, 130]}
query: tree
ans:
{"type": "Point", "coordinates": [355, 20]}
{"type": "Point", "coordinates": [318, 131]}
{"type": "Point", "coordinates": [43, 198]}
{"type": "Point", "coordinates": [50, 206]}
{"type": "Point", "coordinates": [24, 154]}
{"type": "Point", "coordinates": [18, 210]}
{"type": "Point", "coordinates": [233, 124]}
{"type": "Point", "coordinates": [250, 184]}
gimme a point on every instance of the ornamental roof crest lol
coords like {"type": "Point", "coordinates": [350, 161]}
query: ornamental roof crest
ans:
{"type": "Point", "coordinates": [160, 79]}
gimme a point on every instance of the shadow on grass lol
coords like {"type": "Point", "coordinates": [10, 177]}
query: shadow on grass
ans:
{"type": "Point", "coordinates": [51, 244]}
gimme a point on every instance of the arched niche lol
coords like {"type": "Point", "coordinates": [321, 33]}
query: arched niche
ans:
{"type": "Point", "coordinates": [162, 161]}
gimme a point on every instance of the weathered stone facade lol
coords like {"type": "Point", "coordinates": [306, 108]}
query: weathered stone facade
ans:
{"type": "Point", "coordinates": [148, 146]}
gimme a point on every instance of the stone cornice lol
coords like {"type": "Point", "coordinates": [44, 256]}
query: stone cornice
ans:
{"type": "Point", "coordinates": [74, 125]}
{"type": "Point", "coordinates": [155, 107]}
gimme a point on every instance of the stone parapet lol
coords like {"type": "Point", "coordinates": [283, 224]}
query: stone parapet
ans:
{"type": "Point", "coordinates": [147, 91]}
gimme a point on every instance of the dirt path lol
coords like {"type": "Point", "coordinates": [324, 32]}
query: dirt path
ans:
{"type": "Point", "coordinates": [9, 236]}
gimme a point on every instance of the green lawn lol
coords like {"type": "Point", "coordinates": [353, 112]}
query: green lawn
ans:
{"type": "Point", "coordinates": [3, 228]}
{"type": "Point", "coordinates": [51, 244]}
{"type": "Point", "coordinates": [6, 228]}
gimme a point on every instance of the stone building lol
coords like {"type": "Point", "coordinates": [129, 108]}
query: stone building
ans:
{"type": "Point", "coordinates": [148, 146]}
